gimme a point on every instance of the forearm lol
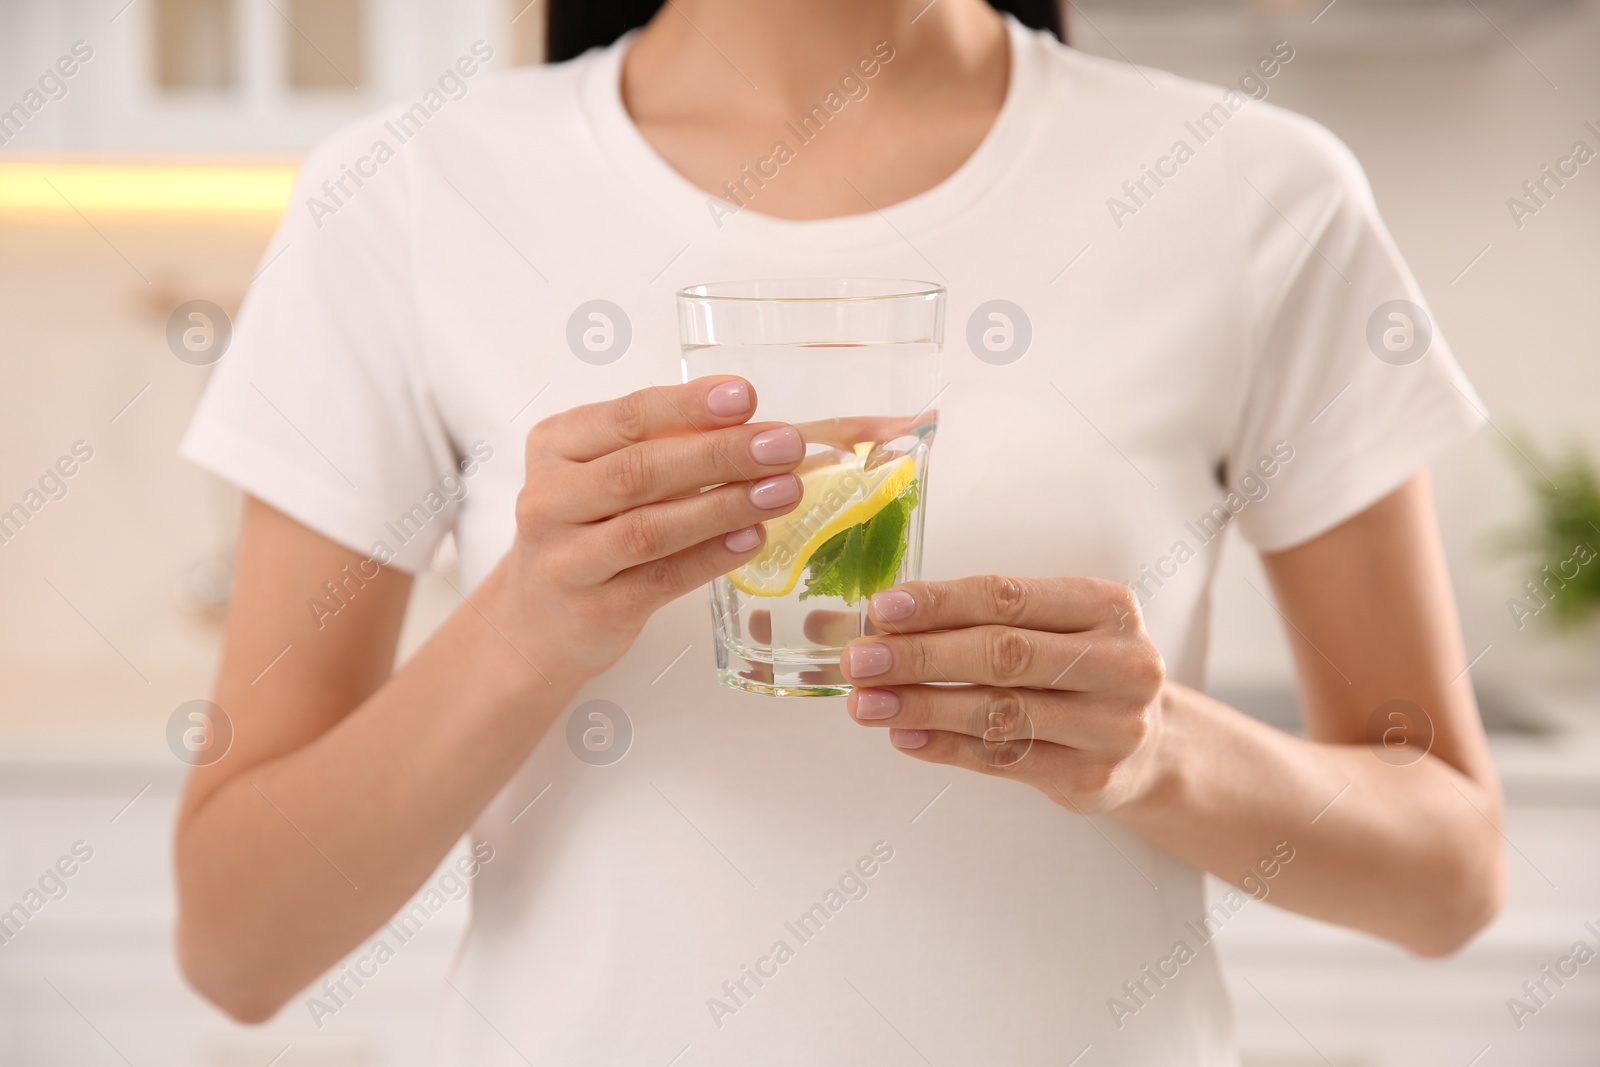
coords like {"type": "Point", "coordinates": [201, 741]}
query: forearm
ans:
{"type": "Point", "coordinates": [1409, 853]}
{"type": "Point", "coordinates": [288, 865]}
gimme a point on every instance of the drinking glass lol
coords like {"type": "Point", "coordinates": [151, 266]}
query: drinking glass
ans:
{"type": "Point", "coordinates": [854, 365]}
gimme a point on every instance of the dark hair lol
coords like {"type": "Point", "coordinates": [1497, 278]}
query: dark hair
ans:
{"type": "Point", "coordinates": [575, 26]}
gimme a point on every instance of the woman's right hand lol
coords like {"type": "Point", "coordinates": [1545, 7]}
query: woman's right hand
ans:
{"type": "Point", "coordinates": [612, 523]}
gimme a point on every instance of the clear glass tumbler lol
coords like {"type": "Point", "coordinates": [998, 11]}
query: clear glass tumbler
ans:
{"type": "Point", "coordinates": [854, 364]}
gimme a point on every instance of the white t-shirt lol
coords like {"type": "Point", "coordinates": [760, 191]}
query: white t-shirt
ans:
{"type": "Point", "coordinates": [1219, 320]}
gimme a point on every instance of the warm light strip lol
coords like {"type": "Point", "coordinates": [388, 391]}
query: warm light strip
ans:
{"type": "Point", "coordinates": [110, 190]}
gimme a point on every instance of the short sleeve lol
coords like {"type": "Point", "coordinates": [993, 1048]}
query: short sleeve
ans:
{"type": "Point", "coordinates": [318, 406]}
{"type": "Point", "coordinates": [1352, 389]}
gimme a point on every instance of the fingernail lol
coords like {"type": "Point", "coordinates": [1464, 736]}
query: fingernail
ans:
{"type": "Point", "coordinates": [775, 492]}
{"type": "Point", "coordinates": [742, 540]}
{"type": "Point", "coordinates": [868, 660]}
{"type": "Point", "coordinates": [876, 704]}
{"type": "Point", "coordinates": [893, 605]}
{"type": "Point", "coordinates": [782, 445]}
{"type": "Point", "coordinates": [908, 738]}
{"type": "Point", "coordinates": [729, 398]}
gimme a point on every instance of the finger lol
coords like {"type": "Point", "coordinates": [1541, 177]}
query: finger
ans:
{"type": "Point", "coordinates": [592, 430]}
{"type": "Point", "coordinates": [1001, 716]}
{"type": "Point", "coordinates": [1064, 605]}
{"type": "Point", "coordinates": [671, 467]}
{"type": "Point", "coordinates": [998, 655]}
{"type": "Point", "coordinates": [1067, 775]}
{"type": "Point", "coordinates": [659, 530]}
{"type": "Point", "coordinates": [672, 576]}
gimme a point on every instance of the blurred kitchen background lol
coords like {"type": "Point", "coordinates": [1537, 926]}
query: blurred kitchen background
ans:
{"type": "Point", "coordinates": [154, 178]}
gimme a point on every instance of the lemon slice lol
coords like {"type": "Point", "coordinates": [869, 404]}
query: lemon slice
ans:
{"type": "Point", "coordinates": [833, 498]}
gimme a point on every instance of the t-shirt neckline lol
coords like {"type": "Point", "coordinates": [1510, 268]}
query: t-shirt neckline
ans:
{"type": "Point", "coordinates": [638, 164]}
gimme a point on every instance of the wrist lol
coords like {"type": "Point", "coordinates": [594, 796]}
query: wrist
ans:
{"type": "Point", "coordinates": [1161, 780]}
{"type": "Point", "coordinates": [518, 649]}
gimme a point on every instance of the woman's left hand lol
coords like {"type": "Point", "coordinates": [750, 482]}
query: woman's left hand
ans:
{"type": "Point", "coordinates": [1061, 687]}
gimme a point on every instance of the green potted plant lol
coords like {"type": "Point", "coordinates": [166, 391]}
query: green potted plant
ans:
{"type": "Point", "coordinates": [1563, 542]}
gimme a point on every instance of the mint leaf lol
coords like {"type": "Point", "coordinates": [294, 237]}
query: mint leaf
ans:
{"type": "Point", "coordinates": [865, 558]}
{"type": "Point", "coordinates": [825, 575]}
{"type": "Point", "coordinates": [883, 546]}
{"type": "Point", "coordinates": [828, 553]}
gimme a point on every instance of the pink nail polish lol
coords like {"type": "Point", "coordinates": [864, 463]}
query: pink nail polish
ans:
{"type": "Point", "coordinates": [908, 738]}
{"type": "Point", "coordinates": [729, 398]}
{"type": "Point", "coordinates": [742, 540]}
{"type": "Point", "coordinates": [869, 660]}
{"type": "Point", "coordinates": [775, 492]}
{"type": "Point", "coordinates": [773, 447]}
{"type": "Point", "coordinates": [894, 605]}
{"type": "Point", "coordinates": [876, 704]}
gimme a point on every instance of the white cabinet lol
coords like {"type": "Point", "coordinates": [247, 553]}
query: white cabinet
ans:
{"type": "Point", "coordinates": [90, 978]}
{"type": "Point", "coordinates": [1308, 993]}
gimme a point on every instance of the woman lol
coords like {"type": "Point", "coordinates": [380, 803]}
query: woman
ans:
{"type": "Point", "coordinates": [781, 882]}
